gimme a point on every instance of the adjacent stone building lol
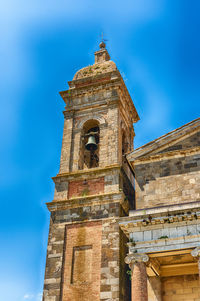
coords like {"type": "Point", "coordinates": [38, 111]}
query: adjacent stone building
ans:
{"type": "Point", "coordinates": [124, 223]}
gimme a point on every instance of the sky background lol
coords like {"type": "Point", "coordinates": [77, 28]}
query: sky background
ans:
{"type": "Point", "coordinates": [156, 46]}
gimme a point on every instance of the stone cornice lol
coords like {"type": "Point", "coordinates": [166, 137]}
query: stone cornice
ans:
{"type": "Point", "coordinates": [112, 78]}
{"type": "Point", "coordinates": [160, 215]}
{"type": "Point", "coordinates": [91, 171]}
{"type": "Point", "coordinates": [168, 155]}
{"type": "Point", "coordinates": [97, 199]}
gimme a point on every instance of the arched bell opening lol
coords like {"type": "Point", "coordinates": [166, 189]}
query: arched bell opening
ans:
{"type": "Point", "coordinates": [89, 152]}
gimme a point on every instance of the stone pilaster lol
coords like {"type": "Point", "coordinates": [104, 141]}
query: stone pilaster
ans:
{"type": "Point", "coordinates": [196, 254]}
{"type": "Point", "coordinates": [137, 263]}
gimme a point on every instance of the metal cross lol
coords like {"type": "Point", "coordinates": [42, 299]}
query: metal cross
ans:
{"type": "Point", "coordinates": [102, 38]}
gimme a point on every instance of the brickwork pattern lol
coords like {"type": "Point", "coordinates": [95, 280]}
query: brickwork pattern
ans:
{"type": "Point", "coordinates": [90, 183]}
{"type": "Point", "coordinates": [81, 275]}
{"type": "Point", "coordinates": [181, 288]}
{"type": "Point", "coordinates": [139, 282]}
{"type": "Point", "coordinates": [83, 188]}
{"type": "Point", "coordinates": [109, 245]}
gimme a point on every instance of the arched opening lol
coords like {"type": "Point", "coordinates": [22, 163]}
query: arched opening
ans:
{"type": "Point", "coordinates": [89, 151]}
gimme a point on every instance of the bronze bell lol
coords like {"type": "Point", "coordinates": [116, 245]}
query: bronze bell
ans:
{"type": "Point", "coordinates": [91, 144]}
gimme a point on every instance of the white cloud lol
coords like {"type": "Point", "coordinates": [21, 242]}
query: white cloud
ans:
{"type": "Point", "coordinates": [33, 297]}
{"type": "Point", "coordinates": [28, 296]}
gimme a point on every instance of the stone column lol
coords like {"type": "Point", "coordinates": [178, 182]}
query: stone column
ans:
{"type": "Point", "coordinates": [137, 265]}
{"type": "Point", "coordinates": [196, 254]}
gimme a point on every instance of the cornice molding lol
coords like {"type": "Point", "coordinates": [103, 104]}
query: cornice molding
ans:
{"type": "Point", "coordinates": [92, 171]}
{"type": "Point", "coordinates": [167, 155]}
{"type": "Point", "coordinates": [114, 197]}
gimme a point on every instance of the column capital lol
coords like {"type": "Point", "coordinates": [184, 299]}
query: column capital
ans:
{"type": "Point", "coordinates": [196, 252]}
{"type": "Point", "coordinates": [136, 257]}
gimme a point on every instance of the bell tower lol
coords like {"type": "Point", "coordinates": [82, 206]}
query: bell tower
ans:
{"type": "Point", "coordinates": [94, 187]}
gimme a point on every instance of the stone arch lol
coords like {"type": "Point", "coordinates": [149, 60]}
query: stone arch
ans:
{"type": "Point", "coordinates": [100, 119]}
{"type": "Point", "coordinates": [89, 152]}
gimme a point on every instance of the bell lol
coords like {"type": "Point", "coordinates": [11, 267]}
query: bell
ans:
{"type": "Point", "coordinates": [91, 144]}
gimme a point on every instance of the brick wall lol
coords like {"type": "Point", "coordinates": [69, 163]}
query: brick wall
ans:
{"type": "Point", "coordinates": [167, 182]}
{"type": "Point", "coordinates": [83, 188]}
{"type": "Point", "coordinates": [81, 269]}
{"type": "Point", "coordinates": [181, 288]}
{"type": "Point", "coordinates": [81, 250]}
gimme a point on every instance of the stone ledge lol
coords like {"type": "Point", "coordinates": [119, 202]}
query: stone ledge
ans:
{"type": "Point", "coordinates": [160, 215]}
{"type": "Point", "coordinates": [87, 201]}
{"type": "Point", "coordinates": [165, 248]}
{"type": "Point", "coordinates": [168, 155]}
{"type": "Point", "coordinates": [91, 171]}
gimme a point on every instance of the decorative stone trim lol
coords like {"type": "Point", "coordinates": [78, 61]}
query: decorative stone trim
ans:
{"type": "Point", "coordinates": [196, 252]}
{"type": "Point", "coordinates": [163, 215]}
{"type": "Point", "coordinates": [137, 263]}
{"type": "Point", "coordinates": [104, 198]}
{"type": "Point", "coordinates": [86, 172]}
{"type": "Point", "coordinates": [168, 155]}
{"type": "Point", "coordinates": [100, 119]}
{"type": "Point", "coordinates": [130, 259]}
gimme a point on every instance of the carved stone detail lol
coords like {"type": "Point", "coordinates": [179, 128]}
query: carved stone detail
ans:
{"type": "Point", "coordinates": [196, 252]}
{"type": "Point", "coordinates": [137, 257]}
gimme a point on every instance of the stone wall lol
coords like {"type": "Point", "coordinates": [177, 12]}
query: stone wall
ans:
{"type": "Point", "coordinates": [167, 181]}
{"type": "Point", "coordinates": [86, 213]}
{"type": "Point", "coordinates": [181, 288]}
{"type": "Point", "coordinates": [73, 238]}
{"type": "Point", "coordinates": [54, 259]}
{"type": "Point", "coordinates": [108, 119]}
{"type": "Point", "coordinates": [97, 181]}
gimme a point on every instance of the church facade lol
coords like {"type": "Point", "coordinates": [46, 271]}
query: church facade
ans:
{"type": "Point", "coordinates": [124, 223]}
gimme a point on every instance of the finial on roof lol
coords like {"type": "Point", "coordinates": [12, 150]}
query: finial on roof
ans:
{"type": "Point", "coordinates": [102, 55]}
{"type": "Point", "coordinates": [102, 45]}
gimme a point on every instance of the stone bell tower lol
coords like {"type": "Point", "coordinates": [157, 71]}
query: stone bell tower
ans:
{"type": "Point", "coordinates": [93, 189]}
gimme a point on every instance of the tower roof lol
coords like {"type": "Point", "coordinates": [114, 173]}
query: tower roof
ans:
{"type": "Point", "coordinates": [96, 69]}
{"type": "Point", "coordinates": [102, 64]}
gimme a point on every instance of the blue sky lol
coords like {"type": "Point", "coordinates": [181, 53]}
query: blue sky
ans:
{"type": "Point", "coordinates": [156, 46]}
